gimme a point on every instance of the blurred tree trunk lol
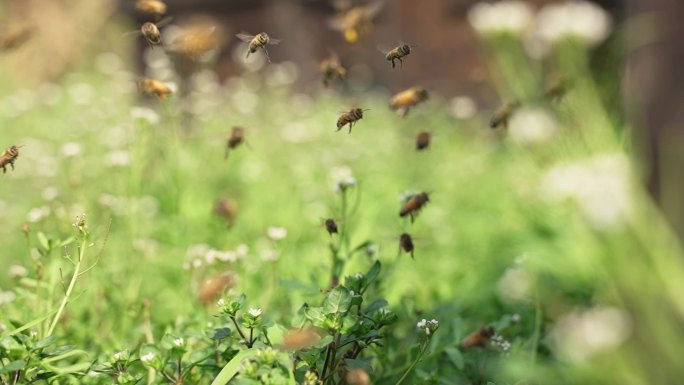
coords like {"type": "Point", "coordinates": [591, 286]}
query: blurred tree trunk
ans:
{"type": "Point", "coordinates": [653, 87]}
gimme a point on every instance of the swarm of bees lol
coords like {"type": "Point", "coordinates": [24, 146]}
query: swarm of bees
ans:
{"type": "Point", "coordinates": [8, 157]}
{"type": "Point", "coordinates": [154, 87]}
{"type": "Point", "coordinates": [350, 117]}
{"type": "Point", "coordinates": [236, 138]}
{"type": "Point", "coordinates": [406, 99]}
{"type": "Point", "coordinates": [260, 40]}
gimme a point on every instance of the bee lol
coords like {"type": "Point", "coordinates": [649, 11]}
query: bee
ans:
{"type": "Point", "coordinates": [150, 31]}
{"type": "Point", "coordinates": [556, 90]}
{"type": "Point", "coordinates": [423, 140]}
{"type": "Point", "coordinates": [260, 40]}
{"type": "Point", "coordinates": [398, 53]}
{"type": "Point", "coordinates": [358, 377]}
{"type": "Point", "coordinates": [406, 99]}
{"type": "Point", "coordinates": [156, 8]}
{"type": "Point", "coordinates": [150, 86]}
{"type": "Point", "coordinates": [330, 226]}
{"type": "Point", "coordinates": [14, 36]}
{"type": "Point", "coordinates": [356, 21]}
{"type": "Point", "coordinates": [413, 205]}
{"type": "Point", "coordinates": [477, 338]}
{"type": "Point", "coordinates": [298, 339]}
{"type": "Point", "coordinates": [214, 286]}
{"type": "Point", "coordinates": [503, 114]}
{"type": "Point", "coordinates": [349, 117]}
{"type": "Point", "coordinates": [8, 157]}
{"type": "Point", "coordinates": [236, 138]}
{"type": "Point", "coordinates": [406, 243]}
{"type": "Point", "coordinates": [196, 39]}
{"type": "Point", "coordinates": [331, 69]}
{"type": "Point", "coordinates": [226, 209]}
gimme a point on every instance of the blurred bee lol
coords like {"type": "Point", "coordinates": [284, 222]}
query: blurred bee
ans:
{"type": "Point", "coordinates": [556, 90]}
{"type": "Point", "coordinates": [156, 8]}
{"type": "Point", "coordinates": [358, 377]}
{"type": "Point", "coordinates": [8, 157]}
{"type": "Point", "coordinates": [226, 209]}
{"type": "Point", "coordinates": [331, 69]}
{"type": "Point", "coordinates": [330, 226]}
{"type": "Point", "coordinates": [413, 205]}
{"type": "Point", "coordinates": [503, 114]}
{"type": "Point", "coordinates": [477, 338]}
{"type": "Point", "coordinates": [150, 86]}
{"type": "Point", "coordinates": [236, 138]}
{"type": "Point", "coordinates": [406, 243]}
{"type": "Point", "coordinates": [214, 286]}
{"type": "Point", "coordinates": [349, 117]}
{"type": "Point", "coordinates": [398, 53]}
{"type": "Point", "coordinates": [356, 21]}
{"type": "Point", "coordinates": [260, 40]}
{"type": "Point", "coordinates": [298, 339]}
{"type": "Point", "coordinates": [196, 39]}
{"type": "Point", "coordinates": [150, 31]}
{"type": "Point", "coordinates": [406, 99]}
{"type": "Point", "coordinates": [14, 36]}
{"type": "Point", "coordinates": [423, 140]}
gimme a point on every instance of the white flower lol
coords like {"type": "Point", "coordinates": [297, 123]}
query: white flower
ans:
{"type": "Point", "coordinates": [269, 255]}
{"type": "Point", "coordinates": [254, 312]}
{"type": "Point", "coordinates": [501, 17]}
{"type": "Point", "coordinates": [196, 250]}
{"type": "Point", "coordinates": [462, 107]}
{"type": "Point", "coordinates": [7, 297]}
{"type": "Point", "coordinates": [227, 256]}
{"type": "Point", "coordinates": [342, 178]}
{"type": "Point", "coordinates": [580, 335]}
{"type": "Point", "coordinates": [421, 324]}
{"type": "Point", "coordinates": [276, 233]}
{"type": "Point", "coordinates": [17, 271]}
{"type": "Point", "coordinates": [50, 193]}
{"type": "Point", "coordinates": [196, 263]}
{"type": "Point", "coordinates": [37, 214]}
{"type": "Point", "coordinates": [118, 158]}
{"type": "Point", "coordinates": [242, 250]}
{"type": "Point", "coordinates": [358, 275]}
{"type": "Point", "coordinates": [221, 303]}
{"type": "Point", "coordinates": [71, 149]}
{"type": "Point", "coordinates": [144, 113]}
{"type": "Point", "coordinates": [514, 285]}
{"type": "Point", "coordinates": [120, 355]}
{"type": "Point", "coordinates": [579, 19]}
{"type": "Point", "coordinates": [147, 357]}
{"type": "Point", "coordinates": [600, 185]}
{"type": "Point", "coordinates": [211, 256]}
{"type": "Point", "coordinates": [530, 126]}
{"type": "Point", "coordinates": [515, 317]}
{"type": "Point", "coordinates": [178, 342]}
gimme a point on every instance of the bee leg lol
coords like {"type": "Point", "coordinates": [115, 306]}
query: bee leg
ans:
{"type": "Point", "coordinates": [4, 170]}
{"type": "Point", "coordinates": [248, 52]}
{"type": "Point", "coordinates": [412, 255]}
{"type": "Point", "coordinates": [393, 64]}
{"type": "Point", "coordinates": [412, 217]}
{"type": "Point", "coordinates": [266, 52]}
{"type": "Point", "coordinates": [350, 127]}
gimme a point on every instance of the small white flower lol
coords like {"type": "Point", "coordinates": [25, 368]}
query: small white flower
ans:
{"type": "Point", "coordinates": [269, 255]}
{"type": "Point", "coordinates": [147, 357]}
{"type": "Point", "coordinates": [583, 20]}
{"type": "Point", "coordinates": [532, 126]}
{"type": "Point", "coordinates": [515, 317]}
{"type": "Point", "coordinates": [221, 303]}
{"type": "Point", "coordinates": [421, 324]}
{"type": "Point", "coordinates": [211, 256]}
{"type": "Point", "coordinates": [178, 342]}
{"type": "Point", "coordinates": [119, 158]}
{"type": "Point", "coordinates": [242, 250]}
{"type": "Point", "coordinates": [7, 297]}
{"type": "Point", "coordinates": [358, 275]}
{"type": "Point", "coordinates": [196, 263]}
{"type": "Point", "coordinates": [71, 149]}
{"type": "Point", "coordinates": [38, 214]}
{"type": "Point", "coordinates": [254, 312]}
{"type": "Point", "coordinates": [119, 355]}
{"type": "Point", "coordinates": [144, 113]}
{"type": "Point", "coordinates": [462, 107]}
{"type": "Point", "coordinates": [227, 256]}
{"type": "Point", "coordinates": [502, 17]}
{"type": "Point", "coordinates": [342, 178]}
{"type": "Point", "coordinates": [50, 193]}
{"type": "Point", "coordinates": [276, 233]}
{"type": "Point", "coordinates": [17, 271]}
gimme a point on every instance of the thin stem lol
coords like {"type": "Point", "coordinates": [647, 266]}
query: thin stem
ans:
{"type": "Point", "coordinates": [72, 283]}
{"type": "Point", "coordinates": [537, 328]}
{"type": "Point", "coordinates": [326, 363]}
{"type": "Point", "coordinates": [180, 374]}
{"type": "Point", "coordinates": [240, 331]}
{"type": "Point", "coordinates": [251, 339]}
{"type": "Point", "coordinates": [410, 368]}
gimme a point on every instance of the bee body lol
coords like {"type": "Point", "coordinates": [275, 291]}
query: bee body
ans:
{"type": "Point", "coordinates": [155, 8]}
{"type": "Point", "coordinates": [478, 338]}
{"type": "Point", "coordinates": [236, 138]}
{"type": "Point", "coordinates": [260, 40]}
{"type": "Point", "coordinates": [350, 118]}
{"type": "Point", "coordinates": [503, 114]}
{"type": "Point", "coordinates": [8, 157]}
{"type": "Point", "coordinates": [331, 69]}
{"type": "Point", "coordinates": [406, 99]}
{"type": "Point", "coordinates": [398, 53]}
{"type": "Point", "coordinates": [154, 87]}
{"type": "Point", "coordinates": [413, 205]}
{"type": "Point", "coordinates": [331, 226]}
{"type": "Point", "coordinates": [406, 243]}
{"type": "Point", "coordinates": [227, 209]}
{"type": "Point", "coordinates": [357, 21]}
{"type": "Point", "coordinates": [151, 33]}
{"type": "Point", "coordinates": [423, 140]}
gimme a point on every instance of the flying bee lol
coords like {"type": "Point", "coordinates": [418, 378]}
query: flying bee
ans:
{"type": "Point", "coordinates": [406, 243]}
{"type": "Point", "coordinates": [226, 209]}
{"type": "Point", "coordinates": [214, 286]}
{"type": "Point", "coordinates": [150, 86]}
{"type": "Point", "coordinates": [298, 339]}
{"type": "Point", "coordinates": [423, 140]}
{"type": "Point", "coordinates": [398, 53]}
{"type": "Point", "coordinates": [406, 99]}
{"type": "Point", "coordinates": [556, 89]}
{"type": "Point", "coordinates": [150, 31]}
{"type": "Point", "coordinates": [414, 203]}
{"type": "Point", "coordinates": [330, 226]}
{"type": "Point", "coordinates": [14, 36]}
{"type": "Point", "coordinates": [331, 68]}
{"type": "Point", "coordinates": [349, 117]}
{"type": "Point", "coordinates": [196, 39]}
{"type": "Point", "coordinates": [356, 21]}
{"type": "Point", "coordinates": [8, 157]}
{"type": "Point", "coordinates": [156, 8]}
{"type": "Point", "coordinates": [503, 114]}
{"type": "Point", "coordinates": [477, 338]}
{"type": "Point", "coordinates": [236, 138]}
{"type": "Point", "coordinates": [260, 40]}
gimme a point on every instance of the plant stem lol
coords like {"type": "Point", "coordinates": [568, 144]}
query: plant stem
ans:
{"type": "Point", "coordinates": [326, 363]}
{"type": "Point", "coordinates": [537, 328]}
{"type": "Point", "coordinates": [240, 331]}
{"type": "Point", "coordinates": [410, 368]}
{"type": "Point", "coordinates": [72, 283]}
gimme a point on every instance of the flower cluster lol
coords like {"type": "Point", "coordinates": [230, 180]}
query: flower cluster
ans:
{"type": "Point", "coordinates": [499, 342]}
{"type": "Point", "coordinates": [429, 326]}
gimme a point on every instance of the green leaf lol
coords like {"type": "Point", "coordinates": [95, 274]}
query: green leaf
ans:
{"type": "Point", "coordinates": [45, 342]}
{"type": "Point", "coordinates": [376, 305]}
{"type": "Point", "coordinates": [315, 315]}
{"type": "Point", "coordinates": [276, 334]}
{"type": "Point", "coordinates": [373, 272]}
{"type": "Point", "coordinates": [456, 357]}
{"type": "Point", "coordinates": [359, 363]}
{"type": "Point", "coordinates": [337, 301]}
{"type": "Point", "coordinates": [44, 242]}
{"type": "Point", "coordinates": [231, 368]}
{"type": "Point", "coordinates": [67, 242]}
{"type": "Point", "coordinates": [220, 334]}
{"type": "Point", "coordinates": [13, 366]}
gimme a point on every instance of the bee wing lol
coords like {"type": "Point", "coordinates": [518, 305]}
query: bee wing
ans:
{"type": "Point", "coordinates": [131, 33]}
{"type": "Point", "coordinates": [274, 41]}
{"type": "Point", "coordinates": [164, 22]}
{"type": "Point", "coordinates": [383, 48]}
{"type": "Point", "coordinates": [371, 10]}
{"type": "Point", "coordinates": [339, 22]}
{"type": "Point", "coordinates": [245, 37]}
